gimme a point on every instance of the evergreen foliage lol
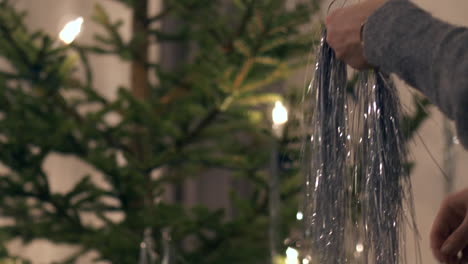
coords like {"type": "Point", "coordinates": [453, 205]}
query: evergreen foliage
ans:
{"type": "Point", "coordinates": [208, 113]}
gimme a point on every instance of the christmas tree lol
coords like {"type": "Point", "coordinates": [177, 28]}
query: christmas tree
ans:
{"type": "Point", "coordinates": [210, 111]}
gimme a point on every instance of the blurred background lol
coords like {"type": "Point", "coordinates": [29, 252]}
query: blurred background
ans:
{"type": "Point", "coordinates": [116, 149]}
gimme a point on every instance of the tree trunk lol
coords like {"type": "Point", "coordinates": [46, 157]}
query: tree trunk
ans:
{"type": "Point", "coordinates": [139, 82]}
{"type": "Point", "coordinates": [140, 89]}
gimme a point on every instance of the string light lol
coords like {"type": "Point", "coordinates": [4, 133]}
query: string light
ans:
{"type": "Point", "coordinates": [292, 256]}
{"type": "Point", "coordinates": [359, 248]}
{"type": "Point", "coordinates": [299, 216]}
{"type": "Point", "coordinates": [71, 30]}
{"type": "Point", "coordinates": [280, 114]}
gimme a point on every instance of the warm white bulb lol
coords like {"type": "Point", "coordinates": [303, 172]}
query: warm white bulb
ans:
{"type": "Point", "coordinates": [292, 256]}
{"type": "Point", "coordinates": [280, 114]}
{"type": "Point", "coordinates": [359, 247]}
{"type": "Point", "coordinates": [71, 30]}
{"type": "Point", "coordinates": [299, 215]}
{"type": "Point", "coordinates": [305, 261]}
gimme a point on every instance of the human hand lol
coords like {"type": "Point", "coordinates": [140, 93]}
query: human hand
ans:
{"type": "Point", "coordinates": [449, 234]}
{"type": "Point", "coordinates": [344, 32]}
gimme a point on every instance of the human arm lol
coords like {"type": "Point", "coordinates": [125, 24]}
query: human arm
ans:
{"type": "Point", "coordinates": [401, 38]}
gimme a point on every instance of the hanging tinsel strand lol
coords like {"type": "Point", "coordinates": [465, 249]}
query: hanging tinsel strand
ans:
{"type": "Point", "coordinates": [324, 159]}
{"type": "Point", "coordinates": [382, 165]}
{"type": "Point", "coordinates": [354, 162]}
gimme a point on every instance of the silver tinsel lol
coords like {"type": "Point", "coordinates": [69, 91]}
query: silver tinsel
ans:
{"type": "Point", "coordinates": [325, 154]}
{"type": "Point", "coordinates": [148, 254]}
{"type": "Point", "coordinates": [383, 177]}
{"type": "Point", "coordinates": [354, 161]}
{"type": "Point", "coordinates": [449, 158]}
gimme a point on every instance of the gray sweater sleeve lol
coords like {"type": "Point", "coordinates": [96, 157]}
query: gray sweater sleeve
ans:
{"type": "Point", "coordinates": [428, 54]}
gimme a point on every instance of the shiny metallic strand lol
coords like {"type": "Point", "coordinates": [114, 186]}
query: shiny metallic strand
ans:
{"type": "Point", "coordinates": [357, 189]}
{"type": "Point", "coordinates": [381, 163]}
{"type": "Point", "coordinates": [449, 165]}
{"type": "Point", "coordinates": [325, 155]}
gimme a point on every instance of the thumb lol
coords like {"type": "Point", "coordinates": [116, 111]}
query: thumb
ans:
{"type": "Point", "coordinates": [457, 240]}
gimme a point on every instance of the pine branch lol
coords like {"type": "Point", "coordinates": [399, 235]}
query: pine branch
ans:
{"type": "Point", "coordinates": [8, 75]}
{"type": "Point", "coordinates": [114, 143]}
{"type": "Point", "coordinates": [206, 121]}
{"type": "Point", "coordinates": [87, 67]}
{"type": "Point", "coordinates": [198, 105]}
{"type": "Point", "coordinates": [7, 34]}
{"type": "Point", "coordinates": [44, 197]}
{"type": "Point", "coordinates": [165, 12]}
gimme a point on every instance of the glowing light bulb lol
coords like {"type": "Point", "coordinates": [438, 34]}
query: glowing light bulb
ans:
{"type": "Point", "coordinates": [280, 114]}
{"type": "Point", "coordinates": [359, 248]}
{"type": "Point", "coordinates": [71, 30]}
{"type": "Point", "coordinates": [305, 261]}
{"type": "Point", "coordinates": [292, 256]}
{"type": "Point", "coordinates": [299, 215]}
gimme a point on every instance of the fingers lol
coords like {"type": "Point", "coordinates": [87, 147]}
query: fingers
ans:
{"type": "Point", "coordinates": [457, 241]}
{"type": "Point", "coordinates": [450, 220]}
{"type": "Point", "coordinates": [449, 234]}
{"type": "Point", "coordinates": [346, 50]}
{"type": "Point", "coordinates": [329, 19]}
{"type": "Point", "coordinates": [344, 36]}
{"type": "Point", "coordinates": [441, 231]}
{"type": "Point", "coordinates": [356, 62]}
